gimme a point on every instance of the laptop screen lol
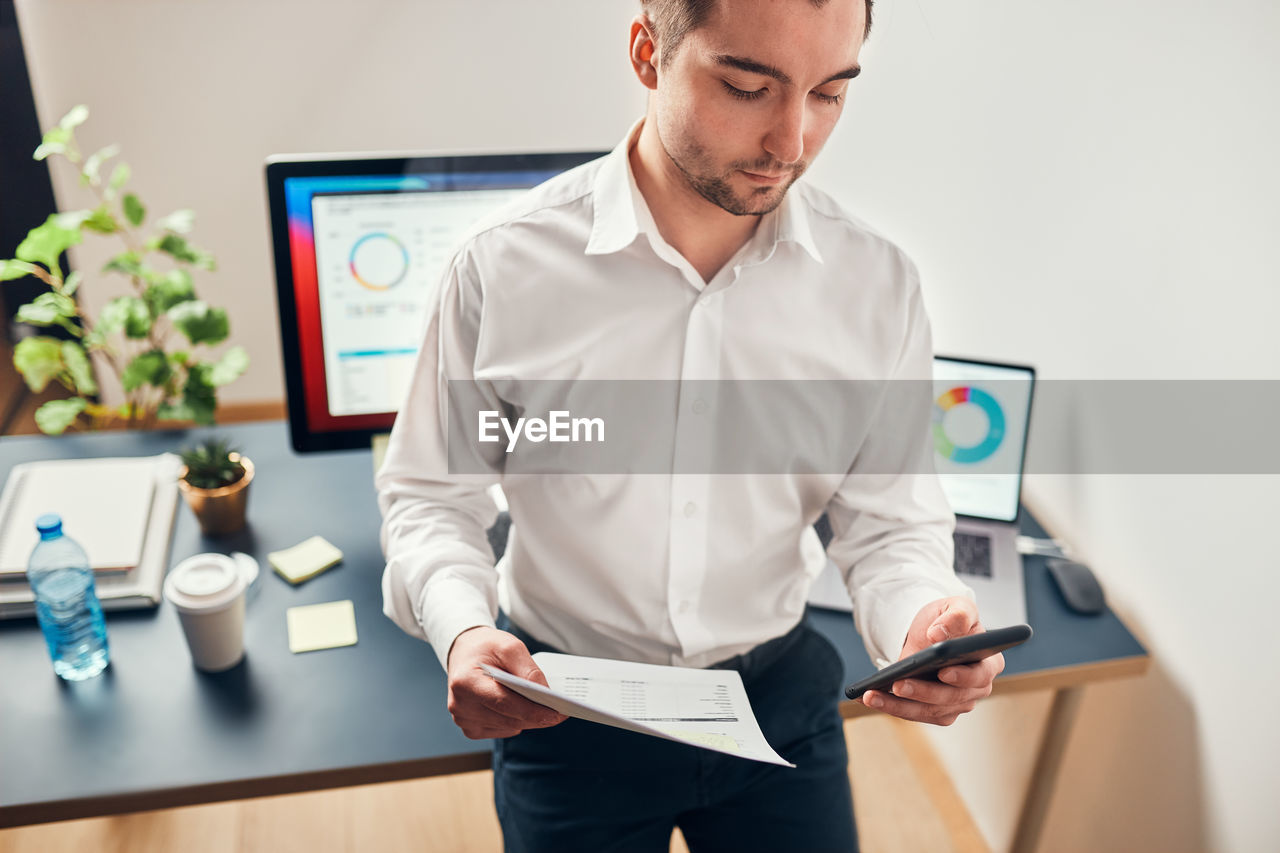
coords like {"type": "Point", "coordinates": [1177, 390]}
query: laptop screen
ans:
{"type": "Point", "coordinates": [981, 413]}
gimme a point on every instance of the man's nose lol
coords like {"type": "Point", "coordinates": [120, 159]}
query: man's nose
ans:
{"type": "Point", "coordinates": [785, 139]}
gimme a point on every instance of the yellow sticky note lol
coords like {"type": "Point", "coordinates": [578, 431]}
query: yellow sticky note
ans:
{"type": "Point", "coordinates": [305, 560]}
{"type": "Point", "coordinates": [380, 443]}
{"type": "Point", "coordinates": [321, 626]}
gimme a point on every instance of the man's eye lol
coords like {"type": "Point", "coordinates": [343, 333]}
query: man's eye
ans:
{"type": "Point", "coordinates": [742, 94]}
{"type": "Point", "coordinates": [829, 99]}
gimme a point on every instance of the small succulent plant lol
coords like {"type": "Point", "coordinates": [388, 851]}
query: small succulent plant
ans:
{"type": "Point", "coordinates": [212, 464]}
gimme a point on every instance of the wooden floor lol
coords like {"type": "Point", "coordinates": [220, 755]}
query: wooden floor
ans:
{"type": "Point", "coordinates": [903, 800]}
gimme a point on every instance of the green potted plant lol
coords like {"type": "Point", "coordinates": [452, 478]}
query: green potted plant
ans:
{"type": "Point", "coordinates": [214, 481]}
{"type": "Point", "coordinates": [149, 338]}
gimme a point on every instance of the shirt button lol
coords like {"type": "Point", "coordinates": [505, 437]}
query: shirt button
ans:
{"type": "Point", "coordinates": [690, 509]}
{"type": "Point", "coordinates": [683, 607]}
{"type": "Point", "coordinates": [699, 406]}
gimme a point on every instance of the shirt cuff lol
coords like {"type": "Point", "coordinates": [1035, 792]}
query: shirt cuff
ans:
{"type": "Point", "coordinates": [448, 607]}
{"type": "Point", "coordinates": [893, 618]}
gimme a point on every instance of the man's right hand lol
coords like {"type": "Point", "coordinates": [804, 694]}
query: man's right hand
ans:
{"type": "Point", "coordinates": [481, 706]}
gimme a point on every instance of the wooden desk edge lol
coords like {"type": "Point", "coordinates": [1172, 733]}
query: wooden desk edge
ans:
{"type": "Point", "coordinates": [268, 786]}
{"type": "Point", "coordinates": [1046, 679]}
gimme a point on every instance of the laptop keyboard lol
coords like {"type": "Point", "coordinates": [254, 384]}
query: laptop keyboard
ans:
{"type": "Point", "coordinates": [973, 554]}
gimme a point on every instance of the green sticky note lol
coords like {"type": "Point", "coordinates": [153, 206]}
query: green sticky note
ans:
{"type": "Point", "coordinates": [305, 560]}
{"type": "Point", "coordinates": [321, 626]}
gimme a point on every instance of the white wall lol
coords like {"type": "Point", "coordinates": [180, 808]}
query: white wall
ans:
{"type": "Point", "coordinates": [1090, 187]}
{"type": "Point", "coordinates": [1093, 188]}
{"type": "Point", "coordinates": [198, 93]}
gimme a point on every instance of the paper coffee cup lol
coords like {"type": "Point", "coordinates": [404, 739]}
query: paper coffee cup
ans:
{"type": "Point", "coordinates": [208, 590]}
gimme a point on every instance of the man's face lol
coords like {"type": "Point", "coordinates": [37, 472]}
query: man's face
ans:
{"type": "Point", "coordinates": [749, 98]}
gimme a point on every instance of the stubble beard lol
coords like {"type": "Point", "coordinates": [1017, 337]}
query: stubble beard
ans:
{"type": "Point", "coordinates": [717, 188]}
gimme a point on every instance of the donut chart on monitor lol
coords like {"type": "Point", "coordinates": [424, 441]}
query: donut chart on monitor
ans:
{"type": "Point", "coordinates": [378, 261]}
{"type": "Point", "coordinates": [972, 453]}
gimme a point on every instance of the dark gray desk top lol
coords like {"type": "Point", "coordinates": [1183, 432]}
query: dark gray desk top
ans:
{"type": "Point", "coordinates": [153, 732]}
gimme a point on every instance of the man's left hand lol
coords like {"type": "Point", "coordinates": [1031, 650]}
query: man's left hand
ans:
{"type": "Point", "coordinates": [960, 686]}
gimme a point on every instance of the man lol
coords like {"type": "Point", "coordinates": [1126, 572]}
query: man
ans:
{"type": "Point", "coordinates": [686, 254]}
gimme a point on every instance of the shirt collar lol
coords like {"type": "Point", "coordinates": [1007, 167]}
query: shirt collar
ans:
{"type": "Point", "coordinates": [616, 200]}
{"type": "Point", "coordinates": [793, 222]}
{"type": "Point", "coordinates": [621, 213]}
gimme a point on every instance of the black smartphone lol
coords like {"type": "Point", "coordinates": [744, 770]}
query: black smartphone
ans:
{"type": "Point", "coordinates": [928, 661]}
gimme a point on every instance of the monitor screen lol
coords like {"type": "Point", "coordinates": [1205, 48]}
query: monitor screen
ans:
{"type": "Point", "coordinates": [981, 416]}
{"type": "Point", "coordinates": [360, 246]}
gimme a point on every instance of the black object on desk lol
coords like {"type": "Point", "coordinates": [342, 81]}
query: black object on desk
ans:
{"type": "Point", "coordinates": [1078, 586]}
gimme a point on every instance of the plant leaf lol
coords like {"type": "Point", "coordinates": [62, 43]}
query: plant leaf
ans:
{"type": "Point", "coordinates": [127, 313]}
{"type": "Point", "coordinates": [172, 412]}
{"type": "Point", "coordinates": [74, 118]}
{"type": "Point", "coordinates": [134, 210]}
{"type": "Point", "coordinates": [126, 262]}
{"type": "Point", "coordinates": [148, 368]}
{"type": "Point", "coordinates": [12, 269]}
{"type": "Point", "coordinates": [56, 415]}
{"type": "Point", "coordinates": [199, 398]}
{"type": "Point", "coordinates": [72, 283]}
{"type": "Point", "coordinates": [54, 142]}
{"type": "Point", "coordinates": [180, 221]}
{"type": "Point", "coordinates": [233, 363]}
{"type": "Point", "coordinates": [181, 250]}
{"type": "Point", "coordinates": [209, 464]}
{"type": "Point", "coordinates": [39, 360]}
{"type": "Point", "coordinates": [77, 363]}
{"type": "Point", "coordinates": [200, 323]}
{"type": "Point", "coordinates": [45, 243]}
{"type": "Point", "coordinates": [173, 289]}
{"type": "Point", "coordinates": [119, 177]}
{"type": "Point", "coordinates": [72, 218]}
{"type": "Point", "coordinates": [198, 394]}
{"type": "Point", "coordinates": [102, 221]}
{"type": "Point", "coordinates": [89, 173]}
{"type": "Point", "coordinates": [46, 309]}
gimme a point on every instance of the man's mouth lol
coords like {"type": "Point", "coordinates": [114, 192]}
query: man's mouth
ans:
{"type": "Point", "coordinates": [762, 179]}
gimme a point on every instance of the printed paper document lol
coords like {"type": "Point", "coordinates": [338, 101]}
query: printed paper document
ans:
{"type": "Point", "coordinates": [707, 708]}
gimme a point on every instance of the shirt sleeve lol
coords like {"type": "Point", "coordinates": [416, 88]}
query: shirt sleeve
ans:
{"type": "Point", "coordinates": [440, 578]}
{"type": "Point", "coordinates": [891, 522]}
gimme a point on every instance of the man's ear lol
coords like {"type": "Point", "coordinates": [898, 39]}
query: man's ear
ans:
{"type": "Point", "coordinates": [644, 51]}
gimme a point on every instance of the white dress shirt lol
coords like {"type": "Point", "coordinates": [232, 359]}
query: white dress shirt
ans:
{"type": "Point", "coordinates": [574, 282]}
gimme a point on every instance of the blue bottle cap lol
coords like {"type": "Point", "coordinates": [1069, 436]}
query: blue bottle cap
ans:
{"type": "Point", "coordinates": [50, 522]}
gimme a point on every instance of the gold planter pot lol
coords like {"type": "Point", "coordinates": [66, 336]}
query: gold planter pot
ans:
{"type": "Point", "coordinates": [219, 511]}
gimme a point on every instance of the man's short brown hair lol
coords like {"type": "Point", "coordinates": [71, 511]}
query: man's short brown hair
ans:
{"type": "Point", "coordinates": [675, 19]}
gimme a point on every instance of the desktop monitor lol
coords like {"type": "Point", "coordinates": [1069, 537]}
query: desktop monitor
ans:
{"type": "Point", "coordinates": [360, 244]}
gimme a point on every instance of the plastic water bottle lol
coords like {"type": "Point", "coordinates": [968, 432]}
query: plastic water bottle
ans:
{"type": "Point", "coordinates": [67, 604]}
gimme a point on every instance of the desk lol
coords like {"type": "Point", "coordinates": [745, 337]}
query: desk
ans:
{"type": "Point", "coordinates": [152, 732]}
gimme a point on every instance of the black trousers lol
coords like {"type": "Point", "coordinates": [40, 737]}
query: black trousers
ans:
{"type": "Point", "coordinates": [589, 787]}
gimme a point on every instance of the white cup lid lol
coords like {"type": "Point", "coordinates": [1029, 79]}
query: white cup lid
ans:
{"type": "Point", "coordinates": [204, 583]}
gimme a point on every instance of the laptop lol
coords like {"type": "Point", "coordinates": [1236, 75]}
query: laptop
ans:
{"type": "Point", "coordinates": [981, 417]}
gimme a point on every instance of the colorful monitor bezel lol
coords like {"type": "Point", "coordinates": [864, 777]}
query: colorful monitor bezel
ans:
{"type": "Point", "coordinates": [292, 182]}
